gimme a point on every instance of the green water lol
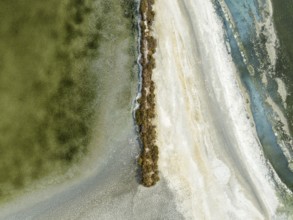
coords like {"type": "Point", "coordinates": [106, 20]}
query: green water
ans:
{"type": "Point", "coordinates": [283, 19]}
{"type": "Point", "coordinates": [50, 88]}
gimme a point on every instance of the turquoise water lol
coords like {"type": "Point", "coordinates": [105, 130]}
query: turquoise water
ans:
{"type": "Point", "coordinates": [245, 15]}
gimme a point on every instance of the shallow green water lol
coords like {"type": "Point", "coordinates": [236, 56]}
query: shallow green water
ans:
{"type": "Point", "coordinates": [283, 19]}
{"type": "Point", "coordinates": [49, 87]}
{"type": "Point", "coordinates": [47, 91]}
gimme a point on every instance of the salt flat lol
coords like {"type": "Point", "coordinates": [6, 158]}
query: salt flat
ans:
{"type": "Point", "coordinates": [209, 151]}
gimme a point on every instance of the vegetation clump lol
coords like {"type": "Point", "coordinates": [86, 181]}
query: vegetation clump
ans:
{"type": "Point", "coordinates": [148, 159]}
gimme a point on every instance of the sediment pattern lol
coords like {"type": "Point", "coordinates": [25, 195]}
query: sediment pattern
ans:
{"type": "Point", "coordinates": [146, 112]}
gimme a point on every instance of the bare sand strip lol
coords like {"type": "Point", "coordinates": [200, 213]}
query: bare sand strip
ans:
{"type": "Point", "coordinates": [209, 152]}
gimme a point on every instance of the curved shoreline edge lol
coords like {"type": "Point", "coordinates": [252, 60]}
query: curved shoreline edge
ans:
{"type": "Point", "coordinates": [208, 148]}
{"type": "Point", "coordinates": [144, 115]}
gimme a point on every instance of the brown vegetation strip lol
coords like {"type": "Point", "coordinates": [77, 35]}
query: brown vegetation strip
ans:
{"type": "Point", "coordinates": [146, 113]}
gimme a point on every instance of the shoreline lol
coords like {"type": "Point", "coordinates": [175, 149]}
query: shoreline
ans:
{"type": "Point", "coordinates": [144, 115]}
{"type": "Point", "coordinates": [208, 149]}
